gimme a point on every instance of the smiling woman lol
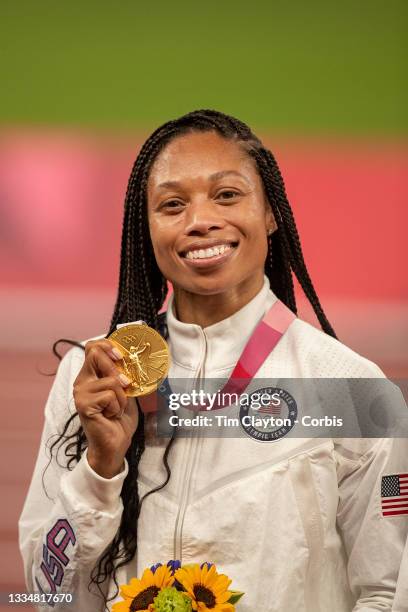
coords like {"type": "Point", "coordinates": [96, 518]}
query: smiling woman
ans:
{"type": "Point", "coordinates": [206, 209]}
{"type": "Point", "coordinates": [209, 227]}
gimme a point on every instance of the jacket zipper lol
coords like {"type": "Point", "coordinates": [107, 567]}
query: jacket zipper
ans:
{"type": "Point", "coordinates": [191, 456]}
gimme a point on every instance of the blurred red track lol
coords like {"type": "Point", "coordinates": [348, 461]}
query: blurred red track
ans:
{"type": "Point", "coordinates": [62, 199]}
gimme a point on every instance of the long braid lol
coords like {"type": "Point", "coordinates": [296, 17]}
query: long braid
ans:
{"type": "Point", "coordinates": [142, 290]}
{"type": "Point", "coordinates": [279, 272]}
{"type": "Point", "coordinates": [276, 192]}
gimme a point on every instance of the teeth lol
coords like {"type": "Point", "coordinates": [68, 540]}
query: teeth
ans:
{"type": "Point", "coordinates": [206, 253]}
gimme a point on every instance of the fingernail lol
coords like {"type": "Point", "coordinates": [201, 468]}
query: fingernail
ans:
{"type": "Point", "coordinates": [116, 353]}
{"type": "Point", "coordinates": [125, 381]}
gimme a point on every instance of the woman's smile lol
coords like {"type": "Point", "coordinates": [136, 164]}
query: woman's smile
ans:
{"type": "Point", "coordinates": [210, 253]}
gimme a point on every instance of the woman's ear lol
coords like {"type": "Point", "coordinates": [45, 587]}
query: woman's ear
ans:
{"type": "Point", "coordinates": [270, 222]}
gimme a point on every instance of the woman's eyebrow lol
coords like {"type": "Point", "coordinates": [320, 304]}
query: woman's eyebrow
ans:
{"type": "Point", "coordinates": [216, 176]}
{"type": "Point", "coordinates": [219, 175]}
{"type": "Point", "coordinates": [169, 184]}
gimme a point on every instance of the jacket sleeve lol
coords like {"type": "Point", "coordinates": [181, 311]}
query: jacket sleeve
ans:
{"type": "Point", "coordinates": [401, 595]}
{"type": "Point", "coordinates": [374, 538]}
{"type": "Point", "coordinates": [70, 516]}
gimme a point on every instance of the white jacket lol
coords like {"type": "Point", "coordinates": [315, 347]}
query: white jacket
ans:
{"type": "Point", "coordinates": [296, 523]}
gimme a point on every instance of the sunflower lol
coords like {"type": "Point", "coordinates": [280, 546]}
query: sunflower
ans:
{"type": "Point", "coordinates": [138, 595]}
{"type": "Point", "coordinates": [208, 589]}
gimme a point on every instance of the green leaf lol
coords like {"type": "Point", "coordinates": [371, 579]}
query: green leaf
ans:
{"type": "Point", "coordinates": [235, 597]}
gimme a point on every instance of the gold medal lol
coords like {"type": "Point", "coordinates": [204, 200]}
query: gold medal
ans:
{"type": "Point", "coordinates": [146, 357]}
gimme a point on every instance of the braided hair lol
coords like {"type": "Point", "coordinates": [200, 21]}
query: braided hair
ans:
{"type": "Point", "coordinates": [143, 289]}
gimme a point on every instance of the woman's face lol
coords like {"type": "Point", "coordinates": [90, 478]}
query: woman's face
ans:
{"type": "Point", "coordinates": [208, 215]}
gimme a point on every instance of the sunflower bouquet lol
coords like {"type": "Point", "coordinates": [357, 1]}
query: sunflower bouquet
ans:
{"type": "Point", "coordinates": [178, 588]}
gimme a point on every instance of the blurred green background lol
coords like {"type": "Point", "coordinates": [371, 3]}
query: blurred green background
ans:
{"type": "Point", "coordinates": [292, 67]}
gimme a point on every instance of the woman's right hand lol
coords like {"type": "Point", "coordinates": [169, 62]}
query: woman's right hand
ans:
{"type": "Point", "coordinates": [108, 416]}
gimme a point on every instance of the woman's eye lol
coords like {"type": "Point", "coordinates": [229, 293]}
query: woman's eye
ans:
{"type": "Point", "coordinates": [172, 205]}
{"type": "Point", "coordinates": [227, 194]}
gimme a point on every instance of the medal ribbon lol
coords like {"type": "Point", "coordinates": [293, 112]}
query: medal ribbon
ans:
{"type": "Point", "coordinates": [263, 340]}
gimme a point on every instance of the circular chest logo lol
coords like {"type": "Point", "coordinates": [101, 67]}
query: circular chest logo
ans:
{"type": "Point", "coordinates": [269, 414]}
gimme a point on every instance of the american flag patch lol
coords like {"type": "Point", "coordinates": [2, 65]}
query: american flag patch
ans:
{"type": "Point", "coordinates": [394, 494]}
{"type": "Point", "coordinates": [270, 409]}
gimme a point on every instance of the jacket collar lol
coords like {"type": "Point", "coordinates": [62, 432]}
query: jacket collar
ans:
{"type": "Point", "coordinates": [220, 344]}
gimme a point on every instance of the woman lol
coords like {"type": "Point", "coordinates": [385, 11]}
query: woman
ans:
{"type": "Point", "coordinates": [296, 523]}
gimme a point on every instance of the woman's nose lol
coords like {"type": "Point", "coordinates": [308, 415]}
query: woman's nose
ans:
{"type": "Point", "coordinates": [202, 216]}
